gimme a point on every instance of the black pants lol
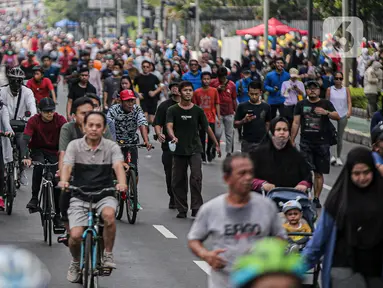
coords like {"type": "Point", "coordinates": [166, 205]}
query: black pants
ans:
{"type": "Point", "coordinates": [41, 156]}
{"type": "Point", "coordinates": [288, 113]}
{"type": "Point", "coordinates": [210, 143]}
{"type": "Point", "coordinates": [274, 109]}
{"type": "Point", "coordinates": [167, 161]}
{"type": "Point", "coordinates": [2, 171]}
{"type": "Point", "coordinates": [180, 181]}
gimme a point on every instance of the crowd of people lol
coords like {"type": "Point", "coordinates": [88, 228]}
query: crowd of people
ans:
{"type": "Point", "coordinates": [117, 87]}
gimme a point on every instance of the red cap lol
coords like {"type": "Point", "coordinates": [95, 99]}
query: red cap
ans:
{"type": "Point", "coordinates": [127, 95]}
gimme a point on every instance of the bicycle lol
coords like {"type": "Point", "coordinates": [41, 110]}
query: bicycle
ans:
{"type": "Point", "coordinates": [9, 183]}
{"type": "Point", "coordinates": [46, 206]}
{"type": "Point", "coordinates": [92, 245]}
{"type": "Point", "coordinates": [129, 198]}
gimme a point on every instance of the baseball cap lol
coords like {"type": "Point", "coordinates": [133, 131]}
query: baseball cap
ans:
{"type": "Point", "coordinates": [47, 104]}
{"type": "Point", "coordinates": [311, 83]}
{"type": "Point", "coordinates": [246, 71]}
{"type": "Point", "coordinates": [293, 73]}
{"type": "Point", "coordinates": [31, 53]}
{"type": "Point", "coordinates": [127, 95]}
{"type": "Point", "coordinates": [377, 133]}
{"type": "Point", "coordinates": [290, 205]}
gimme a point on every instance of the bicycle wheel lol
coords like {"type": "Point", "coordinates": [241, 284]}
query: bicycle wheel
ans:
{"type": "Point", "coordinates": [120, 206]}
{"type": "Point", "coordinates": [11, 191]}
{"type": "Point", "coordinates": [50, 192]}
{"type": "Point", "coordinates": [44, 212]}
{"type": "Point", "coordinates": [131, 197]}
{"type": "Point", "coordinates": [88, 278]}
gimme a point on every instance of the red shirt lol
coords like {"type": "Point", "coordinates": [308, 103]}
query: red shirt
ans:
{"type": "Point", "coordinates": [227, 97]}
{"type": "Point", "coordinates": [45, 135]}
{"type": "Point", "coordinates": [64, 61]}
{"type": "Point", "coordinates": [26, 64]}
{"type": "Point", "coordinates": [40, 90]}
{"type": "Point", "coordinates": [207, 99]}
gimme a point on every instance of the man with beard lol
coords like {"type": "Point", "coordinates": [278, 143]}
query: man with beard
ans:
{"type": "Point", "coordinates": [183, 122]}
{"type": "Point", "coordinates": [313, 116]}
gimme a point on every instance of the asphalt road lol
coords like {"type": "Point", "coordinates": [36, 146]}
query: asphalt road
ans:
{"type": "Point", "coordinates": [151, 253]}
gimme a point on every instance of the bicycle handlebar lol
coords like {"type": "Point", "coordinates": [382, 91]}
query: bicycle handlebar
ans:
{"type": "Point", "coordinates": [37, 163]}
{"type": "Point", "coordinates": [2, 134]}
{"type": "Point", "coordinates": [139, 145]}
{"type": "Point", "coordinates": [91, 194]}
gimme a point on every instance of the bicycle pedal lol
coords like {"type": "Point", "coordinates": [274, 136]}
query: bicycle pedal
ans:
{"type": "Point", "coordinates": [58, 230]}
{"type": "Point", "coordinates": [106, 271]}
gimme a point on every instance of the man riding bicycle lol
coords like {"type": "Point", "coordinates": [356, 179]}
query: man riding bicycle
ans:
{"type": "Point", "coordinates": [128, 117]}
{"type": "Point", "coordinates": [92, 160]}
{"type": "Point", "coordinates": [42, 133]}
{"type": "Point", "coordinates": [18, 99]}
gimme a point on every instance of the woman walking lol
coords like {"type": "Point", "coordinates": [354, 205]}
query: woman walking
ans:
{"type": "Point", "coordinates": [340, 97]}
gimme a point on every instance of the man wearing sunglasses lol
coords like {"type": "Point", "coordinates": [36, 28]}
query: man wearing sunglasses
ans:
{"type": "Point", "coordinates": [79, 89]}
{"type": "Point", "coordinates": [312, 116]}
{"type": "Point", "coordinates": [194, 75]}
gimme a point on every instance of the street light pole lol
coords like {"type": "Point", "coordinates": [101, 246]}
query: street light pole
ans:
{"type": "Point", "coordinates": [266, 9]}
{"type": "Point", "coordinates": [310, 26]}
{"type": "Point", "coordinates": [102, 11]}
{"type": "Point", "coordinates": [197, 25]}
{"type": "Point", "coordinates": [139, 16]}
{"type": "Point", "coordinates": [346, 70]}
{"type": "Point", "coordinates": [118, 18]}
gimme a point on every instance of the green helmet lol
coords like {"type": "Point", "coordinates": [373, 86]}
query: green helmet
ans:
{"type": "Point", "coordinates": [267, 256]}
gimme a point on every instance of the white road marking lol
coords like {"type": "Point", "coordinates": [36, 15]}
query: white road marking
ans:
{"type": "Point", "coordinates": [204, 266]}
{"type": "Point", "coordinates": [164, 231]}
{"type": "Point", "coordinates": [327, 187]}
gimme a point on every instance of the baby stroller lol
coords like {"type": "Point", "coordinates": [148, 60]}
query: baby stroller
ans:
{"type": "Point", "coordinates": [309, 214]}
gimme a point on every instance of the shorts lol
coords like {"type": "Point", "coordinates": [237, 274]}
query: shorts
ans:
{"type": "Point", "coordinates": [149, 107]}
{"type": "Point", "coordinates": [133, 157]}
{"type": "Point", "coordinates": [78, 210]}
{"type": "Point", "coordinates": [317, 155]}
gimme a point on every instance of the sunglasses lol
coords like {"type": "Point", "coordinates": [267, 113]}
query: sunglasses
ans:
{"type": "Point", "coordinates": [337, 78]}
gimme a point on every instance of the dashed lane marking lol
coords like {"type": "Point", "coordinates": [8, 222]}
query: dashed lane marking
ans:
{"type": "Point", "coordinates": [164, 231]}
{"type": "Point", "coordinates": [204, 266]}
{"type": "Point", "coordinates": [327, 187]}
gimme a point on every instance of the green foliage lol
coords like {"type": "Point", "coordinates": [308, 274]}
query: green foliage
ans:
{"type": "Point", "coordinates": [358, 98]}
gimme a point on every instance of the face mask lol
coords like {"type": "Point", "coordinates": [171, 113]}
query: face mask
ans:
{"type": "Point", "coordinates": [116, 72]}
{"type": "Point", "coordinates": [167, 67]}
{"type": "Point", "coordinates": [279, 143]}
{"type": "Point", "coordinates": [234, 70]}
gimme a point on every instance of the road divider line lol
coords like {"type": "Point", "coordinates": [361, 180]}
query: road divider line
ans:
{"type": "Point", "coordinates": [204, 266]}
{"type": "Point", "coordinates": [327, 187]}
{"type": "Point", "coordinates": [164, 231]}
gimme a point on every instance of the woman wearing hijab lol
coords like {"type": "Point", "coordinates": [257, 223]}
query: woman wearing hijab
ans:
{"type": "Point", "coordinates": [277, 163]}
{"type": "Point", "coordinates": [235, 73]}
{"type": "Point", "coordinates": [349, 234]}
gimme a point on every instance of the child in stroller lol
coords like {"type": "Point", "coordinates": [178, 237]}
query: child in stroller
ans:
{"type": "Point", "coordinates": [293, 212]}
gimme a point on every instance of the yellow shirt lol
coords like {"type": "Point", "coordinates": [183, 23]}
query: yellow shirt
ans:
{"type": "Point", "coordinates": [302, 228]}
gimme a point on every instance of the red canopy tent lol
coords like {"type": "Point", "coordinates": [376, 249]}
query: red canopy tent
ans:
{"type": "Point", "coordinates": [276, 28]}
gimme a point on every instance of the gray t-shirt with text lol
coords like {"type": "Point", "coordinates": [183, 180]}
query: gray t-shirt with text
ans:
{"type": "Point", "coordinates": [235, 229]}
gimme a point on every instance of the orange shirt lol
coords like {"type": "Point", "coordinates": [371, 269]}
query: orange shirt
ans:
{"type": "Point", "coordinates": [207, 99]}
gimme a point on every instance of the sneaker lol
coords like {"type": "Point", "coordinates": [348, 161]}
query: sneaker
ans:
{"type": "Point", "coordinates": [57, 223]}
{"type": "Point", "coordinates": [172, 205]}
{"type": "Point", "coordinates": [33, 203]}
{"type": "Point", "coordinates": [181, 215]}
{"type": "Point", "coordinates": [194, 212]}
{"type": "Point", "coordinates": [209, 157]}
{"type": "Point", "coordinates": [139, 207]}
{"type": "Point", "coordinates": [74, 272]}
{"type": "Point", "coordinates": [339, 162]}
{"type": "Point", "coordinates": [317, 203]}
{"type": "Point", "coordinates": [2, 204]}
{"type": "Point", "coordinates": [108, 260]}
{"type": "Point", "coordinates": [23, 178]}
{"type": "Point", "coordinates": [333, 160]}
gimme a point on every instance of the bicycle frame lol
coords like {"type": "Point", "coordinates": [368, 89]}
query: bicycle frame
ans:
{"type": "Point", "coordinates": [92, 228]}
{"type": "Point", "coordinates": [47, 180]}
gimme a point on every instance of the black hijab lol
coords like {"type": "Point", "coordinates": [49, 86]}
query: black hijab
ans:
{"type": "Point", "coordinates": [283, 168]}
{"type": "Point", "coordinates": [358, 211]}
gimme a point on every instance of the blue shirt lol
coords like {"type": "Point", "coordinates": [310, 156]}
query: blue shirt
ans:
{"type": "Point", "coordinates": [52, 73]}
{"type": "Point", "coordinates": [274, 79]}
{"type": "Point", "coordinates": [243, 84]}
{"type": "Point", "coordinates": [195, 79]}
{"type": "Point", "coordinates": [376, 119]}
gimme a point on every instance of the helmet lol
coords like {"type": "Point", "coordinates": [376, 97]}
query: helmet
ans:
{"type": "Point", "coordinates": [38, 68]}
{"type": "Point", "coordinates": [16, 72]}
{"type": "Point", "coordinates": [267, 256]}
{"type": "Point", "coordinates": [21, 268]}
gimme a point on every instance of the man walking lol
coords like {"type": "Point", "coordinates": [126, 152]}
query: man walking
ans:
{"type": "Point", "coordinates": [183, 122]}
{"type": "Point", "coordinates": [234, 220]}
{"type": "Point", "coordinates": [312, 116]}
{"type": "Point", "coordinates": [273, 84]}
{"type": "Point", "coordinates": [193, 75]}
{"type": "Point", "coordinates": [254, 116]}
{"type": "Point", "coordinates": [228, 104]}
{"type": "Point", "coordinates": [163, 138]}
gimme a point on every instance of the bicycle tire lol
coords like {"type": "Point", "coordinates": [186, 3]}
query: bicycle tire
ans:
{"type": "Point", "coordinates": [87, 281]}
{"type": "Point", "coordinates": [132, 197]}
{"type": "Point", "coordinates": [49, 213]}
{"type": "Point", "coordinates": [11, 191]}
{"type": "Point", "coordinates": [16, 176]}
{"type": "Point", "coordinates": [44, 214]}
{"type": "Point", "coordinates": [120, 207]}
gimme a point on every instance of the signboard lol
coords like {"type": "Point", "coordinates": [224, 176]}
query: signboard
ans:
{"type": "Point", "coordinates": [232, 48]}
{"type": "Point", "coordinates": [106, 4]}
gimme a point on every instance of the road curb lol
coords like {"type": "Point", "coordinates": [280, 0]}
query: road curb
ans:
{"type": "Point", "coordinates": [357, 137]}
{"type": "Point", "coordinates": [359, 112]}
